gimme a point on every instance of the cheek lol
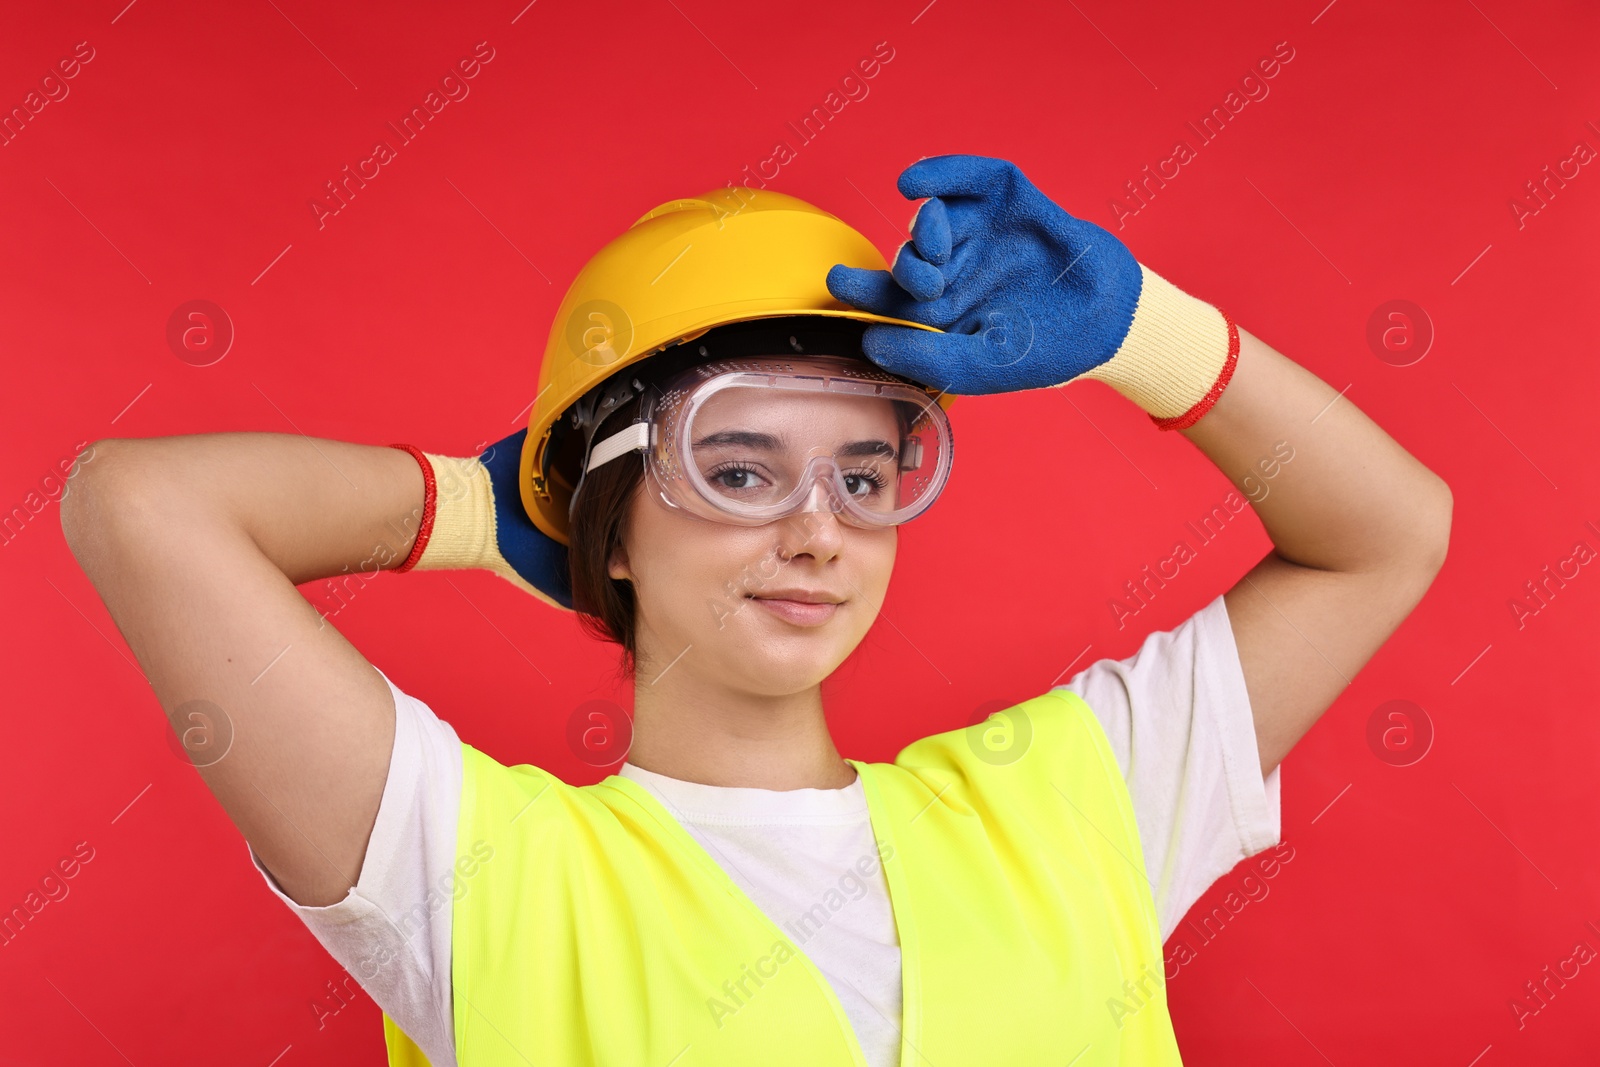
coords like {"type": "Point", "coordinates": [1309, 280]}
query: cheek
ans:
{"type": "Point", "coordinates": [688, 570]}
{"type": "Point", "coordinates": [876, 553]}
{"type": "Point", "coordinates": [681, 562]}
{"type": "Point", "coordinates": [887, 543]}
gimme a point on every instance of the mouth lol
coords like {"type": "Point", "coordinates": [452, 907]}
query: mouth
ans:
{"type": "Point", "coordinates": [798, 612]}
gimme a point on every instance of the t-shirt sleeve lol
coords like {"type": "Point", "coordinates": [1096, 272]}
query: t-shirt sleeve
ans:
{"type": "Point", "coordinates": [1178, 718]}
{"type": "Point", "coordinates": [391, 932]}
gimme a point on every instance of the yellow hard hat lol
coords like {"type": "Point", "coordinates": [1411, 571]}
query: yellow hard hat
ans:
{"type": "Point", "coordinates": [729, 255]}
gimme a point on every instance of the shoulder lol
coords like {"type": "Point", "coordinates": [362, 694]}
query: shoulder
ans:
{"type": "Point", "coordinates": [1048, 750]}
{"type": "Point", "coordinates": [501, 800]}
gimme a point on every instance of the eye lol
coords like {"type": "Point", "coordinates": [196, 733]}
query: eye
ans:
{"type": "Point", "coordinates": [733, 476]}
{"type": "Point", "coordinates": [867, 483]}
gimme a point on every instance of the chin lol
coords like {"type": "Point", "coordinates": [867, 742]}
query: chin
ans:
{"type": "Point", "coordinates": [776, 679]}
{"type": "Point", "coordinates": [775, 664]}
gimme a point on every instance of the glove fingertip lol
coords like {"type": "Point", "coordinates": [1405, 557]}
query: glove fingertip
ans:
{"type": "Point", "coordinates": [920, 178]}
{"type": "Point", "coordinates": [958, 174]}
{"type": "Point", "coordinates": [852, 284]}
{"type": "Point", "coordinates": [880, 345]}
{"type": "Point", "coordinates": [930, 231]}
{"type": "Point", "coordinates": [905, 351]}
{"type": "Point", "coordinates": [921, 279]}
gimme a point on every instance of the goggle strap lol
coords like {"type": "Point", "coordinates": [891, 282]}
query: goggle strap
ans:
{"type": "Point", "coordinates": [631, 439]}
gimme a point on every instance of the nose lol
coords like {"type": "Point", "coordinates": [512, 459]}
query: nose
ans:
{"type": "Point", "coordinates": [814, 530]}
{"type": "Point", "coordinates": [822, 495]}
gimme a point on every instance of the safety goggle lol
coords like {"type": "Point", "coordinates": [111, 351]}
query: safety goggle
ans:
{"type": "Point", "coordinates": [748, 441]}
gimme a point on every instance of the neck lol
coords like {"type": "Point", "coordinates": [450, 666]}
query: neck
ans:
{"type": "Point", "coordinates": [705, 732]}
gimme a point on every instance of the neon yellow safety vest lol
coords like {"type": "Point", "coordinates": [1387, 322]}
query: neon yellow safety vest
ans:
{"type": "Point", "coordinates": [589, 927]}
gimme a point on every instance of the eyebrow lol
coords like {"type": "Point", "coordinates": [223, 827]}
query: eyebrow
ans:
{"type": "Point", "coordinates": [770, 443]}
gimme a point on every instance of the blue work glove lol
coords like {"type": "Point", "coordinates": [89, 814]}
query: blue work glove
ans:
{"type": "Point", "coordinates": [538, 559]}
{"type": "Point", "coordinates": [479, 522]}
{"type": "Point", "coordinates": [1029, 297]}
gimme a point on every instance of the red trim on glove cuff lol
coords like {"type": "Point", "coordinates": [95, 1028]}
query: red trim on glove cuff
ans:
{"type": "Point", "coordinates": [1203, 405]}
{"type": "Point", "coordinates": [428, 499]}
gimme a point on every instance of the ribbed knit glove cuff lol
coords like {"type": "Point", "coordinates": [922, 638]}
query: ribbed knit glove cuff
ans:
{"type": "Point", "coordinates": [1177, 357]}
{"type": "Point", "coordinates": [462, 534]}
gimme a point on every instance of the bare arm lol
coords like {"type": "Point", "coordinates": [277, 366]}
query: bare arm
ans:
{"type": "Point", "coordinates": [1359, 528]}
{"type": "Point", "coordinates": [195, 544]}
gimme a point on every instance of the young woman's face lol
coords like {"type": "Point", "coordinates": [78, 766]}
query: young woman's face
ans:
{"type": "Point", "coordinates": [712, 591]}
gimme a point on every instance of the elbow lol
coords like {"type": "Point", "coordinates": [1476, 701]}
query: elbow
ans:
{"type": "Point", "coordinates": [86, 511]}
{"type": "Point", "coordinates": [1446, 514]}
{"type": "Point", "coordinates": [75, 488]}
{"type": "Point", "coordinates": [1435, 530]}
{"type": "Point", "coordinates": [1410, 574]}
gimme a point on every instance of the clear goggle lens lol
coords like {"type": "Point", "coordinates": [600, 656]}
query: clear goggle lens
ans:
{"type": "Point", "coordinates": [755, 440]}
{"type": "Point", "coordinates": [762, 452]}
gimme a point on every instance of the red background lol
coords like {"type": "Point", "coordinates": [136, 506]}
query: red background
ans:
{"type": "Point", "coordinates": [1381, 166]}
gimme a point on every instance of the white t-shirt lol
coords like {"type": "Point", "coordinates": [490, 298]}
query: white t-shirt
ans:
{"type": "Point", "coordinates": [1177, 716]}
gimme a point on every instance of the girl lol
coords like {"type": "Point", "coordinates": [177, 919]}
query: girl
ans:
{"type": "Point", "coordinates": [738, 407]}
